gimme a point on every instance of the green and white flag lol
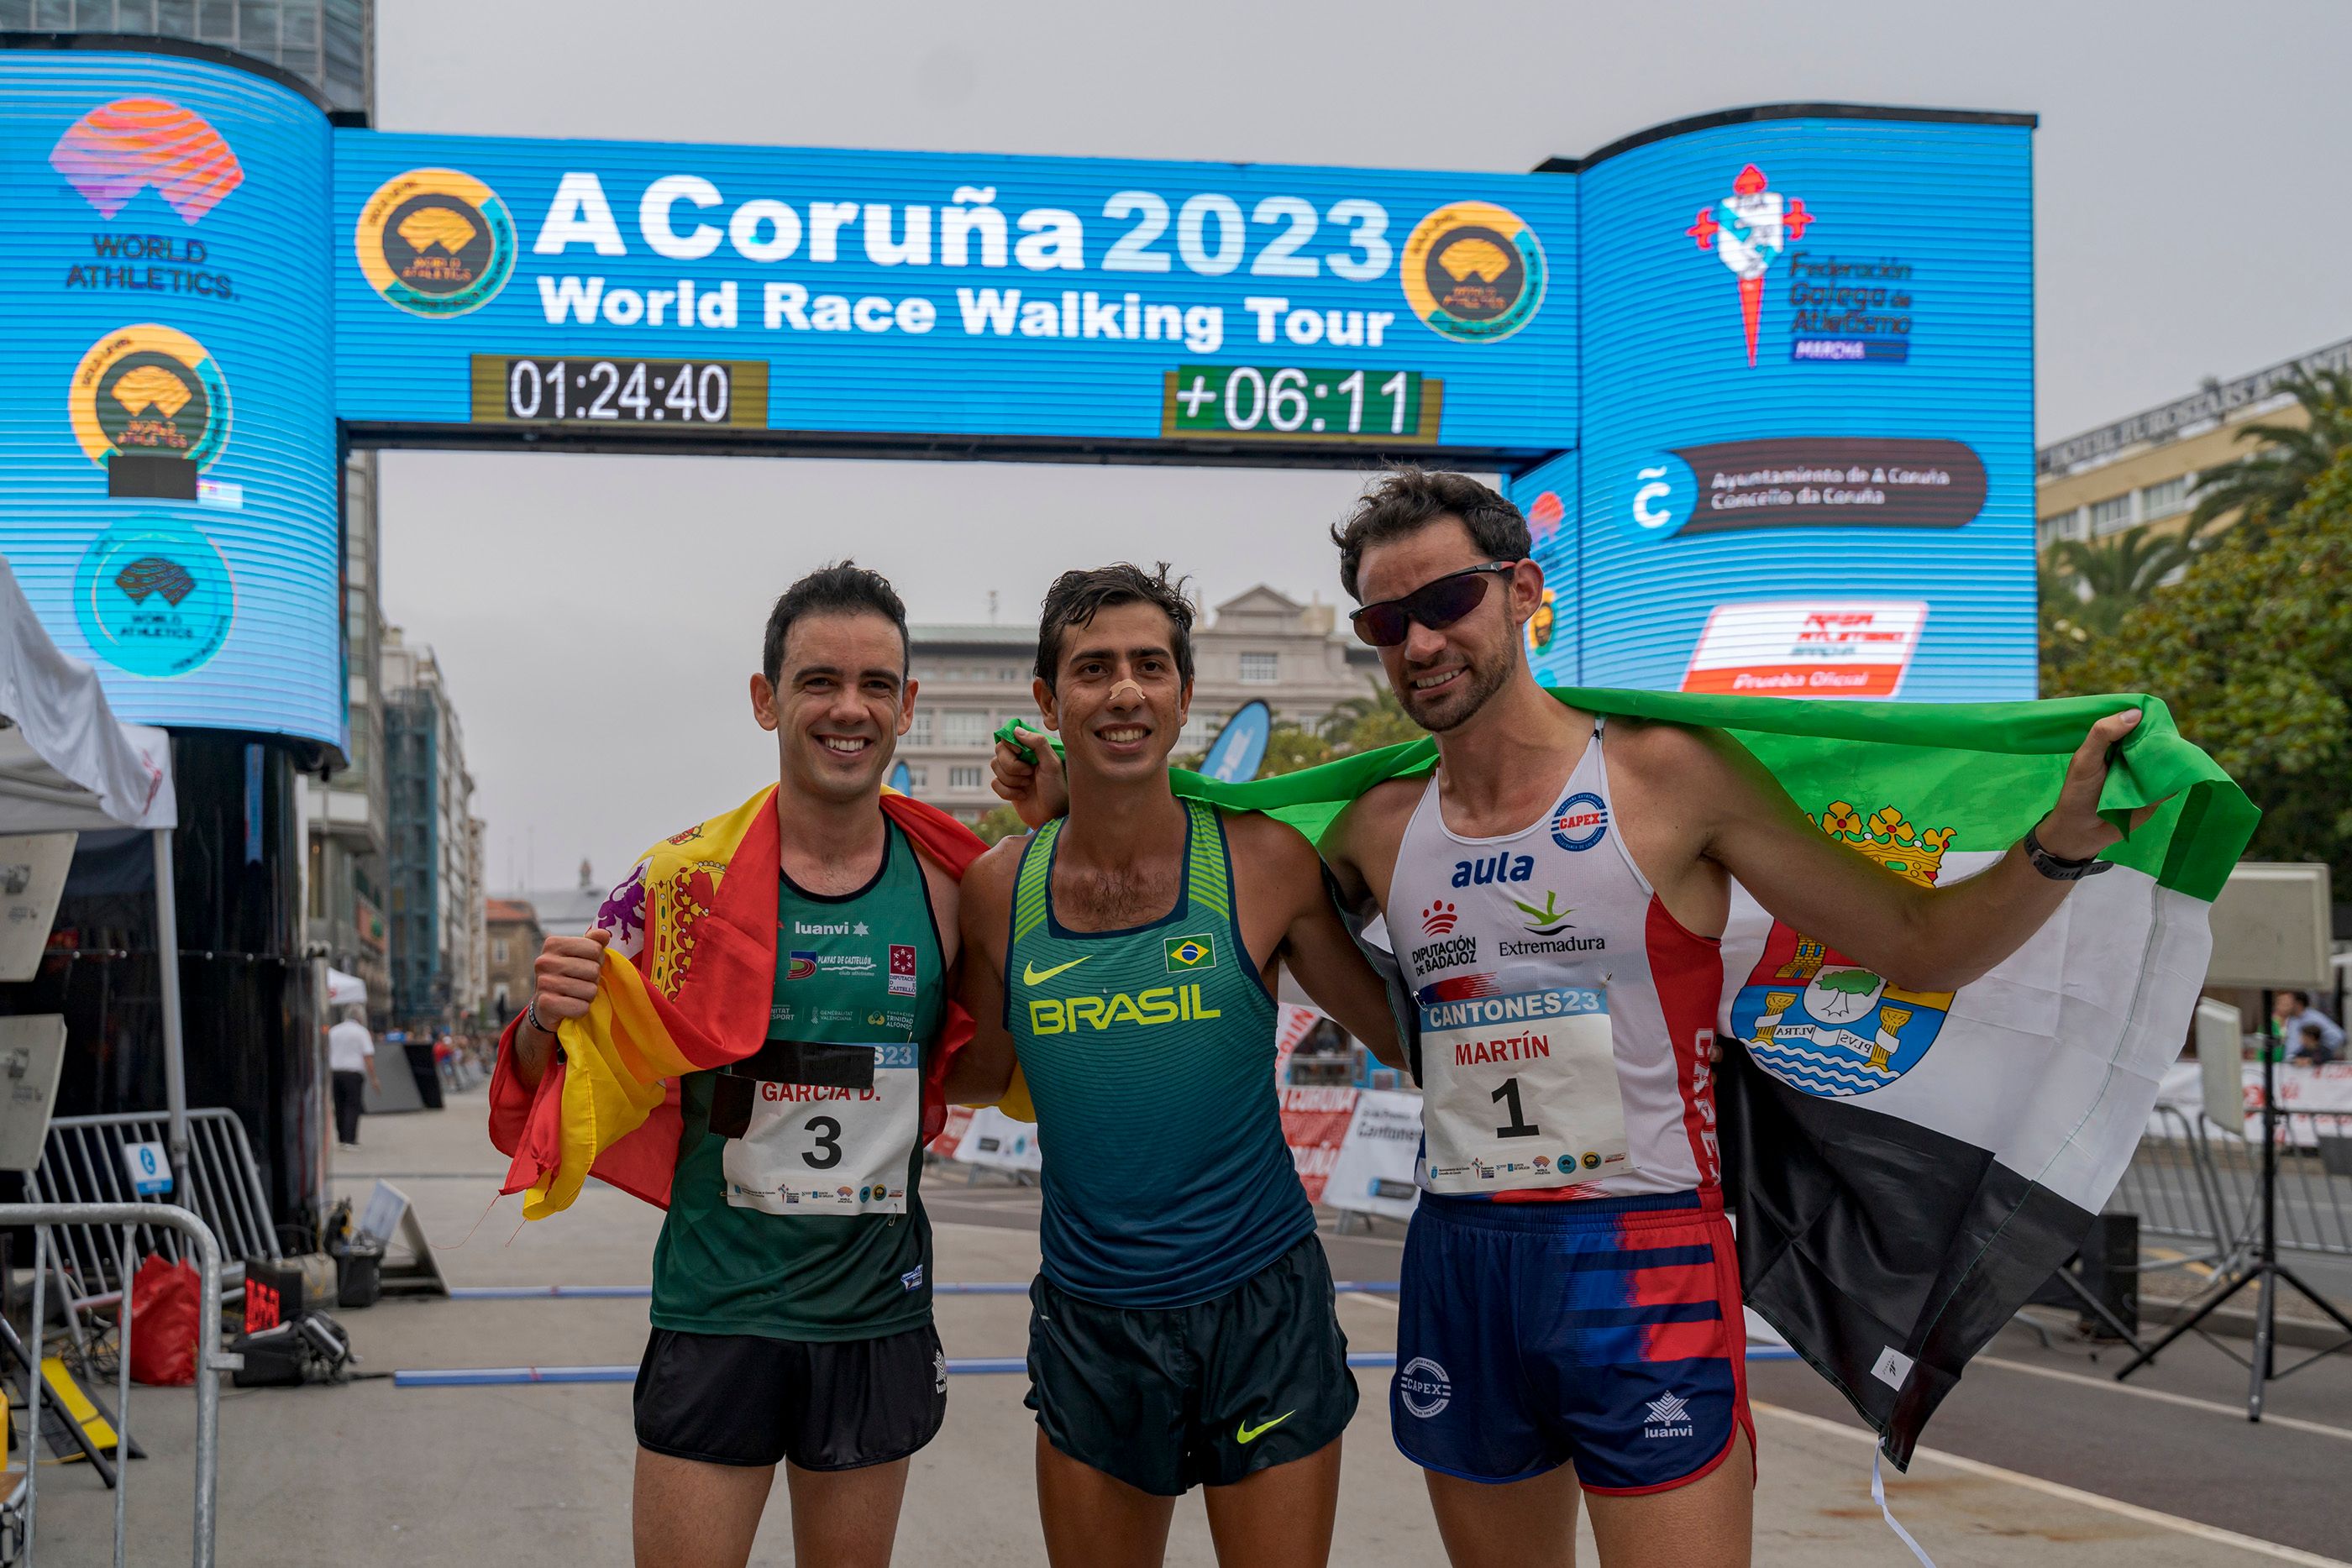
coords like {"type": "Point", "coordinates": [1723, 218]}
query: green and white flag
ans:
{"type": "Point", "coordinates": [1908, 1168]}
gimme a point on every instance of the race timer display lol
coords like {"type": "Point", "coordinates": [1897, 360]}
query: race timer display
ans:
{"type": "Point", "coordinates": [646, 395]}
{"type": "Point", "coordinates": [1288, 402]}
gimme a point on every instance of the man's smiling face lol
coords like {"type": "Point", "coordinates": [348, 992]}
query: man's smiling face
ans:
{"type": "Point", "coordinates": [840, 702]}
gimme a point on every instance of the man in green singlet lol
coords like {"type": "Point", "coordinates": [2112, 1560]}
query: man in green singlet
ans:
{"type": "Point", "coordinates": [1182, 1331]}
{"type": "Point", "coordinates": [791, 1296]}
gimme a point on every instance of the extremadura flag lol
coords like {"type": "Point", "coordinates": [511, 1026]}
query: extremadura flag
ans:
{"type": "Point", "coordinates": [1908, 1167]}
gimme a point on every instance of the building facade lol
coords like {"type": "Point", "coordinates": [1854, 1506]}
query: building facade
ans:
{"type": "Point", "coordinates": [513, 936]}
{"type": "Point", "coordinates": [2145, 469]}
{"type": "Point", "coordinates": [1260, 645]}
{"type": "Point", "coordinates": [346, 812]}
{"type": "Point", "coordinates": [328, 44]}
{"type": "Point", "coordinates": [434, 847]}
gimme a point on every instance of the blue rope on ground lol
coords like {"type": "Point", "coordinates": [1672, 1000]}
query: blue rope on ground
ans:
{"type": "Point", "coordinates": [978, 1365]}
{"type": "Point", "coordinates": [977, 1288]}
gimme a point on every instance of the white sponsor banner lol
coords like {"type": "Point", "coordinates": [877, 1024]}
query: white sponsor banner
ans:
{"type": "Point", "coordinates": [2303, 1091]}
{"type": "Point", "coordinates": [1807, 648]}
{"type": "Point", "coordinates": [996, 1141]}
{"type": "Point", "coordinates": [1373, 1174]}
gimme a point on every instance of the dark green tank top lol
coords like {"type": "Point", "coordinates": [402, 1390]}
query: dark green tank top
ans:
{"type": "Point", "coordinates": [1149, 1056]}
{"type": "Point", "coordinates": [860, 969]}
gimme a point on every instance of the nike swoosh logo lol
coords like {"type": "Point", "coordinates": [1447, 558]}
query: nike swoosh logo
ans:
{"type": "Point", "coordinates": [1248, 1434]}
{"type": "Point", "coordinates": [1031, 974]}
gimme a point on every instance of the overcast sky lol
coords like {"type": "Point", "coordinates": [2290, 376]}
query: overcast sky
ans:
{"type": "Point", "coordinates": [597, 616]}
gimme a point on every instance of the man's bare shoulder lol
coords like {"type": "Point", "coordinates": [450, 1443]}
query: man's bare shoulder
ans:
{"type": "Point", "coordinates": [986, 897]}
{"type": "Point", "coordinates": [1658, 749]}
{"type": "Point", "coordinates": [1265, 846]}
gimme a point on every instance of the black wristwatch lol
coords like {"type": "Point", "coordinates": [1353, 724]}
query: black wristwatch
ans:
{"type": "Point", "coordinates": [2056, 868]}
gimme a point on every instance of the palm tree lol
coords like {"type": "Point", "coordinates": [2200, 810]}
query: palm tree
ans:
{"type": "Point", "coordinates": [1367, 723]}
{"type": "Point", "coordinates": [2104, 578]}
{"type": "Point", "coordinates": [2263, 486]}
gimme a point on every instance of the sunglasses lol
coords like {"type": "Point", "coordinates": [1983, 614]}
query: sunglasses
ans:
{"type": "Point", "coordinates": [1436, 605]}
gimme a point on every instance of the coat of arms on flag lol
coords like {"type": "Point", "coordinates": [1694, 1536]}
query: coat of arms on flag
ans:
{"type": "Point", "coordinates": [1822, 1023]}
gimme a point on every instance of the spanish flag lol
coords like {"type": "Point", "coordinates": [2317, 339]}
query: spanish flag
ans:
{"type": "Point", "coordinates": [687, 980]}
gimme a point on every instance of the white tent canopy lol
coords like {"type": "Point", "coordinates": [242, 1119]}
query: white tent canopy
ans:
{"type": "Point", "coordinates": [67, 764]}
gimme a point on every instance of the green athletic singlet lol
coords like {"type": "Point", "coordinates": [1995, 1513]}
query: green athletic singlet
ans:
{"type": "Point", "coordinates": [806, 1224]}
{"type": "Point", "coordinates": [1150, 1056]}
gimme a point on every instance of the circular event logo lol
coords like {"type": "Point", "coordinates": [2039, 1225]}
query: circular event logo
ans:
{"type": "Point", "coordinates": [149, 389]}
{"type": "Point", "coordinates": [1473, 272]}
{"type": "Point", "coordinates": [153, 597]}
{"type": "Point", "coordinates": [435, 242]}
{"type": "Point", "coordinates": [1543, 623]}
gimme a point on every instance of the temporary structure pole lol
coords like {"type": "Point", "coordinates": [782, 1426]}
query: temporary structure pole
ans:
{"type": "Point", "coordinates": [167, 968]}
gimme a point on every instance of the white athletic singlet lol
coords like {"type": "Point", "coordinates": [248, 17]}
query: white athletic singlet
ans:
{"type": "Point", "coordinates": [1564, 1017]}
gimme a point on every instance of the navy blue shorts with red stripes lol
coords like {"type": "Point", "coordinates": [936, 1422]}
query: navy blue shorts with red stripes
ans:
{"type": "Point", "coordinates": [1605, 1333]}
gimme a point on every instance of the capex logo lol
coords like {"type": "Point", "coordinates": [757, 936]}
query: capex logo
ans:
{"type": "Point", "coordinates": [149, 389]}
{"type": "Point", "coordinates": [1473, 272]}
{"type": "Point", "coordinates": [435, 242]}
{"type": "Point", "coordinates": [153, 597]}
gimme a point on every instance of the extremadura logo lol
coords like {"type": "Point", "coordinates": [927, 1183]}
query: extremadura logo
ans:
{"type": "Point", "coordinates": [435, 242]}
{"type": "Point", "coordinates": [149, 389]}
{"type": "Point", "coordinates": [1474, 272]}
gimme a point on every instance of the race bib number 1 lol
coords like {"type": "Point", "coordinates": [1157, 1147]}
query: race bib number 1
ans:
{"type": "Point", "coordinates": [816, 1149]}
{"type": "Point", "coordinates": [1520, 1091]}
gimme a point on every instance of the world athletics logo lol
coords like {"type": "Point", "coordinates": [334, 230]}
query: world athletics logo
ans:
{"type": "Point", "coordinates": [149, 389]}
{"type": "Point", "coordinates": [153, 597]}
{"type": "Point", "coordinates": [436, 243]}
{"type": "Point", "coordinates": [1473, 272]}
{"type": "Point", "coordinates": [119, 148]}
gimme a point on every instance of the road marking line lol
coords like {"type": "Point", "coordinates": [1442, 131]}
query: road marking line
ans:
{"type": "Point", "coordinates": [2235, 1412]}
{"type": "Point", "coordinates": [2190, 1527]}
{"type": "Point", "coordinates": [1375, 1300]}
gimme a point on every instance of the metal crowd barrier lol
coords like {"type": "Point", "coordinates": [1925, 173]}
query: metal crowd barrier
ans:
{"type": "Point", "coordinates": [211, 1362]}
{"type": "Point", "coordinates": [2194, 1181]}
{"type": "Point", "coordinates": [82, 1164]}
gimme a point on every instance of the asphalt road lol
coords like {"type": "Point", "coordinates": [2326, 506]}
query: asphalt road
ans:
{"type": "Point", "coordinates": [2175, 1438]}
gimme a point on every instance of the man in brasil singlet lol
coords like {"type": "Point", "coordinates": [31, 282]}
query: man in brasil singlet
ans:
{"type": "Point", "coordinates": [1555, 893]}
{"type": "Point", "coordinates": [791, 1295]}
{"type": "Point", "coordinates": [1184, 1331]}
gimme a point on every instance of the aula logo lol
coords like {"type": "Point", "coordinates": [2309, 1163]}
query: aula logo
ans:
{"type": "Point", "coordinates": [1493, 868]}
{"type": "Point", "coordinates": [1581, 822]}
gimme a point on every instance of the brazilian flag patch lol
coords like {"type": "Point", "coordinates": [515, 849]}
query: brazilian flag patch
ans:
{"type": "Point", "coordinates": [1192, 953]}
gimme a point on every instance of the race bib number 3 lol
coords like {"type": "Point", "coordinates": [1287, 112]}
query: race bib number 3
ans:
{"type": "Point", "coordinates": [1520, 1091]}
{"type": "Point", "coordinates": [820, 1149]}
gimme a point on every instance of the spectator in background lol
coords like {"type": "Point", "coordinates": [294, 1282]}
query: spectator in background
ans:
{"type": "Point", "coordinates": [2311, 1049]}
{"type": "Point", "coordinates": [2293, 1012]}
{"type": "Point", "coordinates": [351, 1058]}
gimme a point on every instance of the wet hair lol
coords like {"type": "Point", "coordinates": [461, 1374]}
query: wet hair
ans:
{"type": "Point", "coordinates": [843, 588]}
{"type": "Point", "coordinates": [1407, 499]}
{"type": "Point", "coordinates": [1076, 597]}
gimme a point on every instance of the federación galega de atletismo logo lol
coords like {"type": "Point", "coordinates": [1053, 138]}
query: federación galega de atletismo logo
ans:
{"type": "Point", "coordinates": [435, 242]}
{"type": "Point", "coordinates": [1747, 230]}
{"type": "Point", "coordinates": [153, 597]}
{"type": "Point", "coordinates": [1473, 272]}
{"type": "Point", "coordinates": [151, 389]}
{"type": "Point", "coordinates": [1822, 1023]}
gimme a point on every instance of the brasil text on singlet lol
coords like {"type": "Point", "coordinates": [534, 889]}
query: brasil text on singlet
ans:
{"type": "Point", "coordinates": [1565, 1016]}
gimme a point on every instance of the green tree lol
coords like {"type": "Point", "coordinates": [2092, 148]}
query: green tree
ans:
{"type": "Point", "coordinates": [1001, 822]}
{"type": "Point", "coordinates": [2109, 578]}
{"type": "Point", "coordinates": [2253, 650]}
{"type": "Point", "coordinates": [1290, 747]}
{"type": "Point", "coordinates": [1367, 723]}
{"type": "Point", "coordinates": [2265, 485]}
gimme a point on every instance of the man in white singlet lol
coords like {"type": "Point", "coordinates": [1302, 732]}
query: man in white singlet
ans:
{"type": "Point", "coordinates": [1555, 893]}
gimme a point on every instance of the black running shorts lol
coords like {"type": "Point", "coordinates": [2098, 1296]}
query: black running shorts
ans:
{"type": "Point", "coordinates": [1198, 1395]}
{"type": "Point", "coordinates": [835, 1404]}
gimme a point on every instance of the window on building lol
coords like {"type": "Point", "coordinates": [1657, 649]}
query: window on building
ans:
{"type": "Point", "coordinates": [1009, 673]}
{"type": "Point", "coordinates": [964, 727]}
{"type": "Point", "coordinates": [2164, 500]}
{"type": "Point", "coordinates": [2067, 525]}
{"type": "Point", "coordinates": [1261, 669]}
{"type": "Point", "coordinates": [919, 733]}
{"type": "Point", "coordinates": [963, 778]}
{"type": "Point", "coordinates": [498, 950]}
{"type": "Point", "coordinates": [919, 778]}
{"type": "Point", "coordinates": [2111, 516]}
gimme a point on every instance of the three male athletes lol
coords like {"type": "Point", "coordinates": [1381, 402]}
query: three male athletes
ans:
{"type": "Point", "coordinates": [1560, 1331]}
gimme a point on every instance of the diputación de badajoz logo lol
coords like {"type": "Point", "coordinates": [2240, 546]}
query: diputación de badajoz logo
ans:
{"type": "Point", "coordinates": [1473, 272]}
{"type": "Point", "coordinates": [118, 149]}
{"type": "Point", "coordinates": [153, 597]}
{"type": "Point", "coordinates": [150, 388]}
{"type": "Point", "coordinates": [435, 242]}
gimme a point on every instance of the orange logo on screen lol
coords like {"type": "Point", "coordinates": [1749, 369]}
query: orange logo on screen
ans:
{"type": "Point", "coordinates": [109, 154]}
